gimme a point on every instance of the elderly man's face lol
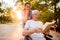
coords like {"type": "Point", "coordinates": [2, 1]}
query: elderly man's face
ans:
{"type": "Point", "coordinates": [36, 15]}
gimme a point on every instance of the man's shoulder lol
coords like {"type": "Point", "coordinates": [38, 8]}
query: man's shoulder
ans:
{"type": "Point", "coordinates": [29, 20]}
{"type": "Point", "coordinates": [40, 22]}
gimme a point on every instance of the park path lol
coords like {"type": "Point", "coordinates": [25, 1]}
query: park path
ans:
{"type": "Point", "coordinates": [56, 35]}
{"type": "Point", "coordinates": [11, 31]}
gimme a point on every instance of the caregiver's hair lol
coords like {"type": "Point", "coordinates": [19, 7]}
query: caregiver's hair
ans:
{"type": "Point", "coordinates": [27, 3]}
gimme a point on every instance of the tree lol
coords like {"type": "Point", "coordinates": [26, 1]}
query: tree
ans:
{"type": "Point", "coordinates": [10, 15]}
{"type": "Point", "coordinates": [0, 3]}
{"type": "Point", "coordinates": [57, 15]}
{"type": "Point", "coordinates": [1, 9]}
{"type": "Point", "coordinates": [46, 15]}
{"type": "Point", "coordinates": [1, 13]}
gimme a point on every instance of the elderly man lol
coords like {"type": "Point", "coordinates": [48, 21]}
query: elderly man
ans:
{"type": "Point", "coordinates": [33, 28]}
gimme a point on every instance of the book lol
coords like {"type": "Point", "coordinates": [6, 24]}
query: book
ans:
{"type": "Point", "coordinates": [47, 26]}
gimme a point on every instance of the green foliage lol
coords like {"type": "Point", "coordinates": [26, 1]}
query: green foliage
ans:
{"type": "Point", "coordinates": [8, 16]}
{"type": "Point", "coordinates": [0, 3]}
{"type": "Point", "coordinates": [46, 16]}
{"type": "Point", "coordinates": [57, 14]}
{"type": "Point", "coordinates": [1, 10]}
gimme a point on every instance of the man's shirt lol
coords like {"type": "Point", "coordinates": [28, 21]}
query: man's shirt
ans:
{"type": "Point", "coordinates": [30, 25]}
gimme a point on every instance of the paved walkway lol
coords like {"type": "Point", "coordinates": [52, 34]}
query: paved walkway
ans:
{"type": "Point", "coordinates": [10, 31]}
{"type": "Point", "coordinates": [56, 35]}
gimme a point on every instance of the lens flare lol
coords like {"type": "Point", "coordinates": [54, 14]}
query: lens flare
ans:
{"type": "Point", "coordinates": [19, 15]}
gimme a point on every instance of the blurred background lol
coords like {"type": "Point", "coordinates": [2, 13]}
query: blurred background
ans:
{"type": "Point", "coordinates": [10, 10]}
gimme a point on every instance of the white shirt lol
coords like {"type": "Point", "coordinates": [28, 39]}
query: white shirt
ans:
{"type": "Point", "coordinates": [31, 24]}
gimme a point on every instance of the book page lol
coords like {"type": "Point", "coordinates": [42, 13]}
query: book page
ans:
{"type": "Point", "coordinates": [47, 26]}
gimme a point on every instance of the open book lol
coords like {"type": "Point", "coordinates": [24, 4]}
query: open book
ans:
{"type": "Point", "coordinates": [47, 26]}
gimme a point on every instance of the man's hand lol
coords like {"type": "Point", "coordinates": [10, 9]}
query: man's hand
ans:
{"type": "Point", "coordinates": [37, 30]}
{"type": "Point", "coordinates": [28, 32]}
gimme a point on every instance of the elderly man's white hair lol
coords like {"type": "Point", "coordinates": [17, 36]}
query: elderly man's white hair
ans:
{"type": "Point", "coordinates": [35, 11]}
